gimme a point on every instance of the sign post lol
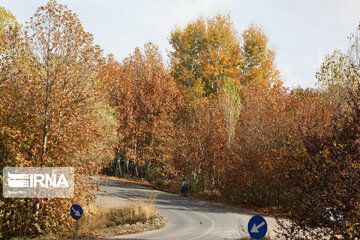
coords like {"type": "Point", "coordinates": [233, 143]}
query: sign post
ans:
{"type": "Point", "coordinates": [257, 227]}
{"type": "Point", "coordinates": [76, 212]}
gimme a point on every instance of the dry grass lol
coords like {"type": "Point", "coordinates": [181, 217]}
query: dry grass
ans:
{"type": "Point", "coordinates": [136, 216]}
{"type": "Point", "coordinates": [211, 193]}
{"type": "Point", "coordinates": [137, 211]}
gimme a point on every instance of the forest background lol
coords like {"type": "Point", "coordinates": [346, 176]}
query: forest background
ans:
{"type": "Point", "coordinates": [217, 115]}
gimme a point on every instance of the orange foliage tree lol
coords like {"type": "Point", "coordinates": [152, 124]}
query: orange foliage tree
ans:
{"type": "Point", "coordinates": [233, 120]}
{"type": "Point", "coordinates": [145, 99]}
{"type": "Point", "coordinates": [50, 94]}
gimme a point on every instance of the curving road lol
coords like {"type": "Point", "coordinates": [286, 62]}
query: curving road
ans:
{"type": "Point", "coordinates": [187, 218]}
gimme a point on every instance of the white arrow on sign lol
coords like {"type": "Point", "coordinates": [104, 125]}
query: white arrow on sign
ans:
{"type": "Point", "coordinates": [255, 229]}
{"type": "Point", "coordinates": [77, 213]}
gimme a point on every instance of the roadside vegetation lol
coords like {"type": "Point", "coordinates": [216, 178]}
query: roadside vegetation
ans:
{"type": "Point", "coordinates": [217, 115]}
{"type": "Point", "coordinates": [136, 216]}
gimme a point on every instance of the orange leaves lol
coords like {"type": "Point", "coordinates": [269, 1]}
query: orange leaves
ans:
{"type": "Point", "coordinates": [235, 114]}
{"type": "Point", "coordinates": [145, 99]}
{"type": "Point", "coordinates": [52, 110]}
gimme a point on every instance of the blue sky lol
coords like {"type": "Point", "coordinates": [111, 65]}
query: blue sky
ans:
{"type": "Point", "coordinates": [300, 31]}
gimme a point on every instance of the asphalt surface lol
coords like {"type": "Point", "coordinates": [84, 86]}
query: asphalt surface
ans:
{"type": "Point", "coordinates": [187, 218]}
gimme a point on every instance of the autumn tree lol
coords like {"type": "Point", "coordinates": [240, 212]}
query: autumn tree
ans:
{"type": "Point", "coordinates": [323, 171]}
{"type": "Point", "coordinates": [9, 31]}
{"type": "Point", "coordinates": [339, 74]}
{"type": "Point", "coordinates": [205, 53]}
{"type": "Point", "coordinates": [259, 60]}
{"type": "Point", "coordinates": [261, 128]}
{"type": "Point", "coordinates": [9, 38]}
{"type": "Point", "coordinates": [205, 62]}
{"type": "Point", "coordinates": [218, 73]}
{"type": "Point", "coordinates": [341, 68]}
{"type": "Point", "coordinates": [261, 132]}
{"type": "Point", "coordinates": [51, 113]}
{"type": "Point", "coordinates": [145, 99]}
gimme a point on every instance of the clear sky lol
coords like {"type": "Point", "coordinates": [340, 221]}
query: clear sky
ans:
{"type": "Point", "coordinates": [301, 31]}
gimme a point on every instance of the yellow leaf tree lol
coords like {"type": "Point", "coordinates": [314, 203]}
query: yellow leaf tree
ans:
{"type": "Point", "coordinates": [205, 53]}
{"type": "Point", "coordinates": [259, 60]}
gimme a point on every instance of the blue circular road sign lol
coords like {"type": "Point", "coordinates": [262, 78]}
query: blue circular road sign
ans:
{"type": "Point", "coordinates": [257, 227]}
{"type": "Point", "coordinates": [76, 211]}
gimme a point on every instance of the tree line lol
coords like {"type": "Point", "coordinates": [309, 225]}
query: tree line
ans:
{"type": "Point", "coordinates": [217, 114]}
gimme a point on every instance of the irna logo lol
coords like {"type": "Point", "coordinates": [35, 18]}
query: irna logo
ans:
{"type": "Point", "coordinates": [42, 182]}
{"type": "Point", "coordinates": [35, 180]}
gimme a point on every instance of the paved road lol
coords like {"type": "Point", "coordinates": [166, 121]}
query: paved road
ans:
{"type": "Point", "coordinates": [187, 218]}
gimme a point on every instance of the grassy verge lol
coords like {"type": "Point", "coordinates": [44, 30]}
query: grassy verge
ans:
{"type": "Point", "coordinates": [137, 216]}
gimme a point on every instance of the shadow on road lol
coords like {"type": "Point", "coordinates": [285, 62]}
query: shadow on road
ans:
{"type": "Point", "coordinates": [131, 191]}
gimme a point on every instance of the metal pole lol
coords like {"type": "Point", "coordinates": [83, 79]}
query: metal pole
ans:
{"type": "Point", "coordinates": [76, 229]}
